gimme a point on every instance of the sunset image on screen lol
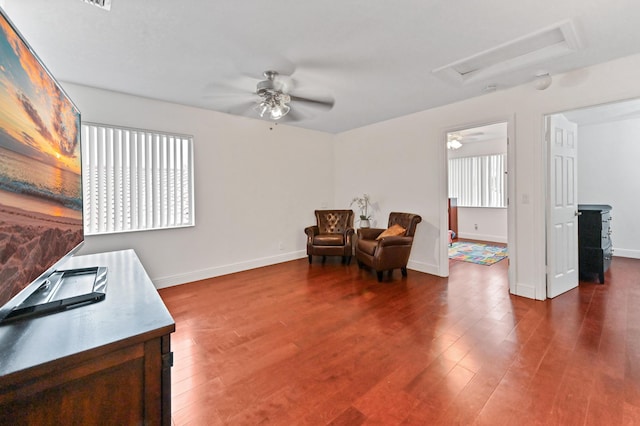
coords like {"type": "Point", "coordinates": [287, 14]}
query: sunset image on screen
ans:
{"type": "Point", "coordinates": [40, 167]}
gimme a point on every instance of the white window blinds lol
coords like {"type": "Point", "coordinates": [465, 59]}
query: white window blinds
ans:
{"type": "Point", "coordinates": [479, 181]}
{"type": "Point", "coordinates": [135, 179]}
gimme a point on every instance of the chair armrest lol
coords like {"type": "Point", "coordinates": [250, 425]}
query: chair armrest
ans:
{"type": "Point", "coordinates": [348, 237]}
{"type": "Point", "coordinates": [369, 233]}
{"type": "Point", "coordinates": [311, 231]}
{"type": "Point", "coordinates": [395, 241]}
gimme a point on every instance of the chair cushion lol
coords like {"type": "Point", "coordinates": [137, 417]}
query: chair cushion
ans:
{"type": "Point", "coordinates": [328, 240]}
{"type": "Point", "coordinates": [367, 246]}
{"type": "Point", "coordinates": [392, 231]}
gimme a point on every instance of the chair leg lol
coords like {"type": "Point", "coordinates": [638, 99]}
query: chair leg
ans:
{"type": "Point", "coordinates": [404, 271]}
{"type": "Point", "coordinates": [348, 261]}
{"type": "Point", "coordinates": [309, 259]}
{"type": "Point", "coordinates": [360, 264]}
{"type": "Point", "coordinates": [379, 276]}
{"type": "Point", "coordinates": [324, 259]}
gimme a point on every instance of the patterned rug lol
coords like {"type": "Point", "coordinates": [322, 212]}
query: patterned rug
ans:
{"type": "Point", "coordinates": [482, 254]}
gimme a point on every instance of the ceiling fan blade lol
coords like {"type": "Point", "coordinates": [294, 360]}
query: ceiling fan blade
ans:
{"type": "Point", "coordinates": [244, 62]}
{"type": "Point", "coordinates": [229, 97]}
{"type": "Point", "coordinates": [231, 85]}
{"type": "Point", "coordinates": [317, 103]}
{"type": "Point", "coordinates": [244, 109]}
{"type": "Point", "coordinates": [288, 83]}
{"type": "Point", "coordinates": [230, 103]}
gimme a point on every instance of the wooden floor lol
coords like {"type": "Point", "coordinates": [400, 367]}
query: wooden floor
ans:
{"type": "Point", "coordinates": [295, 344]}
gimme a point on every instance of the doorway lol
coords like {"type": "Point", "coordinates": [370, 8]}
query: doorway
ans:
{"type": "Point", "coordinates": [607, 152]}
{"type": "Point", "coordinates": [478, 185]}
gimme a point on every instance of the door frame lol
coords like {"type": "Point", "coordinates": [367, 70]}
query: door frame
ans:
{"type": "Point", "coordinates": [511, 191]}
{"type": "Point", "coordinates": [541, 287]}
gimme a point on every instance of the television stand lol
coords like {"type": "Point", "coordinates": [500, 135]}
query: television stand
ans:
{"type": "Point", "coordinates": [103, 363]}
{"type": "Point", "coordinates": [63, 290]}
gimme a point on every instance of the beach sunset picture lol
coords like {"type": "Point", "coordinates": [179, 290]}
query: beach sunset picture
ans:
{"type": "Point", "coordinates": [40, 168]}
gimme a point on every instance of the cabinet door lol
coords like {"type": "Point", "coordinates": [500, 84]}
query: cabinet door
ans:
{"type": "Point", "coordinates": [109, 389]}
{"type": "Point", "coordinates": [129, 386]}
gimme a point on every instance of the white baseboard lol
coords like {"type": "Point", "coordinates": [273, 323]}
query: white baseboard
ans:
{"type": "Point", "coordinates": [620, 252]}
{"type": "Point", "coordinates": [217, 271]}
{"type": "Point", "coordinates": [483, 237]}
{"type": "Point", "coordinates": [525, 290]}
{"type": "Point", "coordinates": [423, 267]}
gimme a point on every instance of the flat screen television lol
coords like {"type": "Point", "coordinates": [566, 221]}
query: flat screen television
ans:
{"type": "Point", "coordinates": [41, 206]}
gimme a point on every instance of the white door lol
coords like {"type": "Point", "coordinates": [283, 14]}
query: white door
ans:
{"type": "Point", "coordinates": [562, 205]}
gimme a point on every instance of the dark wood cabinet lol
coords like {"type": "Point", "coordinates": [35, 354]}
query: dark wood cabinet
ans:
{"type": "Point", "coordinates": [104, 363]}
{"type": "Point", "coordinates": [453, 216]}
{"type": "Point", "coordinates": [594, 239]}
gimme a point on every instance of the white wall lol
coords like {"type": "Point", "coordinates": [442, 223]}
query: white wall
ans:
{"type": "Point", "coordinates": [483, 223]}
{"type": "Point", "coordinates": [401, 162]}
{"type": "Point", "coordinates": [608, 173]}
{"type": "Point", "coordinates": [254, 188]}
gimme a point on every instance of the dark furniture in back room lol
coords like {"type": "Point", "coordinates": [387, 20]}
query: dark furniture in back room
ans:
{"type": "Point", "coordinates": [594, 239]}
{"type": "Point", "coordinates": [453, 217]}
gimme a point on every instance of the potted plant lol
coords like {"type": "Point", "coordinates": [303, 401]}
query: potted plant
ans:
{"type": "Point", "coordinates": [363, 205]}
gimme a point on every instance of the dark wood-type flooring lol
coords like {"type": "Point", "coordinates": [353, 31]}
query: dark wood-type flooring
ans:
{"type": "Point", "coordinates": [296, 344]}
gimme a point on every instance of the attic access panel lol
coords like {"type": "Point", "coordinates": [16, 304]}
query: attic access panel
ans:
{"type": "Point", "coordinates": [102, 4]}
{"type": "Point", "coordinates": [535, 48]}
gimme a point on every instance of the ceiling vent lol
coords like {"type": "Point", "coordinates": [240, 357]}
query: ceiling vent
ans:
{"type": "Point", "coordinates": [102, 4]}
{"type": "Point", "coordinates": [533, 49]}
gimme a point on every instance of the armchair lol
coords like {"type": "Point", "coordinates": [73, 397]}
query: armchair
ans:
{"type": "Point", "coordinates": [332, 235]}
{"type": "Point", "coordinates": [385, 253]}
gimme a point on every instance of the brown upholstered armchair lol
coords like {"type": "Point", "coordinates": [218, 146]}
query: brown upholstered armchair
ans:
{"type": "Point", "coordinates": [385, 253]}
{"type": "Point", "coordinates": [332, 236]}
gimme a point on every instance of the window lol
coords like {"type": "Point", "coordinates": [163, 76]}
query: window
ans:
{"type": "Point", "coordinates": [135, 179]}
{"type": "Point", "coordinates": [479, 181]}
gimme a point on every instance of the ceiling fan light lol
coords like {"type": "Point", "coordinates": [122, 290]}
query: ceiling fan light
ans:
{"type": "Point", "coordinates": [273, 101]}
{"type": "Point", "coordinates": [279, 111]}
{"type": "Point", "coordinates": [262, 107]}
{"type": "Point", "coordinates": [454, 144]}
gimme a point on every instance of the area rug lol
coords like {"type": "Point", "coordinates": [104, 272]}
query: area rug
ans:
{"type": "Point", "coordinates": [482, 254]}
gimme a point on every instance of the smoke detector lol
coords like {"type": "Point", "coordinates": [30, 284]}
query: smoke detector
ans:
{"type": "Point", "coordinates": [102, 4]}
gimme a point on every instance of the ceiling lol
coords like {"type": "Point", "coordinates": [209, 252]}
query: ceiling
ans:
{"type": "Point", "coordinates": [605, 113]}
{"type": "Point", "coordinates": [489, 132]}
{"type": "Point", "coordinates": [374, 57]}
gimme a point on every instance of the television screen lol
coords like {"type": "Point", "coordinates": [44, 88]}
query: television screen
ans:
{"type": "Point", "coordinates": [40, 169]}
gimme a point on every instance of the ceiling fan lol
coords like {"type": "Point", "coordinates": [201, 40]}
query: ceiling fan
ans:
{"type": "Point", "coordinates": [277, 97]}
{"type": "Point", "coordinates": [455, 139]}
